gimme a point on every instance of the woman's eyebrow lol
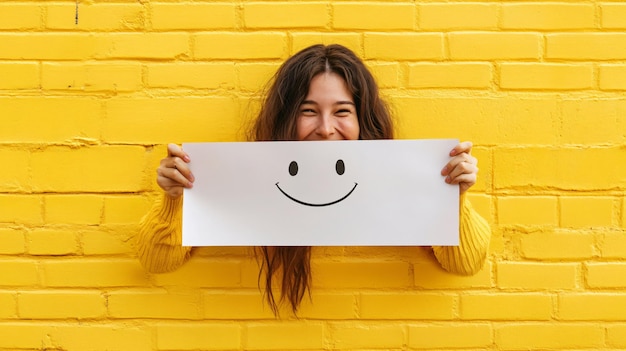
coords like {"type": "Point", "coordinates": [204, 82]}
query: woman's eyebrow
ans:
{"type": "Point", "coordinates": [336, 103]}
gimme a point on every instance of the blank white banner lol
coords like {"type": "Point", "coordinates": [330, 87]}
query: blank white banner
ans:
{"type": "Point", "coordinates": [326, 193]}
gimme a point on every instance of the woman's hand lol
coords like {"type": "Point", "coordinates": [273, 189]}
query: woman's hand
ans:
{"type": "Point", "coordinates": [173, 175]}
{"type": "Point", "coordinates": [462, 168]}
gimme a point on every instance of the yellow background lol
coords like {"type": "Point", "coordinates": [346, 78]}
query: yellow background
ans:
{"type": "Point", "coordinates": [86, 109]}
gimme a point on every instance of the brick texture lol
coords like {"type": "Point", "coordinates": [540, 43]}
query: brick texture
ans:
{"type": "Point", "coordinates": [92, 91]}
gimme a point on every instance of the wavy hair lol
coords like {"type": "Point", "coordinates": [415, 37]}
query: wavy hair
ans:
{"type": "Point", "coordinates": [277, 122]}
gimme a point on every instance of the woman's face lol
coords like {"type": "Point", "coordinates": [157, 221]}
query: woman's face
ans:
{"type": "Point", "coordinates": [328, 111]}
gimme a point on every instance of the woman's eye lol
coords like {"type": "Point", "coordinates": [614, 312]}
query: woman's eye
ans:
{"type": "Point", "coordinates": [293, 168]}
{"type": "Point", "coordinates": [307, 111]}
{"type": "Point", "coordinates": [340, 167]}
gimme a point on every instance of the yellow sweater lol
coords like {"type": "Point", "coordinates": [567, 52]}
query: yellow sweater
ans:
{"type": "Point", "coordinates": [160, 250]}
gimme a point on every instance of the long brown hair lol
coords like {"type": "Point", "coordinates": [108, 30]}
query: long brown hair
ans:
{"type": "Point", "coordinates": [277, 121]}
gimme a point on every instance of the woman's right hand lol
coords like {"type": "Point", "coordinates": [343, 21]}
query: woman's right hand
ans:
{"type": "Point", "coordinates": [173, 174]}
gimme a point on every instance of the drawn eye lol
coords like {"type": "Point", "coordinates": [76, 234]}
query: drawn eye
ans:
{"type": "Point", "coordinates": [340, 167]}
{"type": "Point", "coordinates": [293, 168]}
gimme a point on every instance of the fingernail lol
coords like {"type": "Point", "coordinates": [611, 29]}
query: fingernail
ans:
{"type": "Point", "coordinates": [448, 179]}
{"type": "Point", "coordinates": [444, 170]}
{"type": "Point", "coordinates": [192, 177]}
{"type": "Point", "coordinates": [186, 158]}
{"type": "Point", "coordinates": [453, 152]}
{"type": "Point", "coordinates": [189, 184]}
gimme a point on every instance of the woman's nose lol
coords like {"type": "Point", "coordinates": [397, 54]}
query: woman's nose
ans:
{"type": "Point", "coordinates": [325, 127]}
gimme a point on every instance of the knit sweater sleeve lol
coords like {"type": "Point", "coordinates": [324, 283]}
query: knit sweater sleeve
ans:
{"type": "Point", "coordinates": [474, 236]}
{"type": "Point", "coordinates": [159, 242]}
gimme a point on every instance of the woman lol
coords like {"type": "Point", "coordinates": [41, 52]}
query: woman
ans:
{"type": "Point", "coordinates": [320, 93]}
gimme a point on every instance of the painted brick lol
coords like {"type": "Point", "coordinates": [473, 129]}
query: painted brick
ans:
{"type": "Point", "coordinates": [202, 336]}
{"type": "Point", "coordinates": [20, 16]}
{"type": "Point", "coordinates": [113, 76]}
{"type": "Point", "coordinates": [412, 305]}
{"type": "Point", "coordinates": [604, 114]}
{"type": "Point", "coordinates": [564, 168]}
{"type": "Point", "coordinates": [387, 75]}
{"type": "Point", "coordinates": [586, 46]}
{"type": "Point", "coordinates": [430, 275]}
{"type": "Point", "coordinates": [16, 177]}
{"type": "Point", "coordinates": [368, 336]}
{"type": "Point", "coordinates": [368, 16]}
{"type": "Point", "coordinates": [191, 75]}
{"type": "Point", "coordinates": [537, 276]}
{"type": "Point", "coordinates": [11, 241]}
{"type": "Point", "coordinates": [403, 46]}
{"type": "Point", "coordinates": [616, 335]}
{"type": "Point", "coordinates": [605, 275]}
{"type": "Point", "coordinates": [613, 245]}
{"type": "Point", "coordinates": [23, 335]}
{"type": "Point", "coordinates": [52, 242]}
{"type": "Point", "coordinates": [612, 77]}
{"type": "Point", "coordinates": [508, 307]}
{"type": "Point", "coordinates": [203, 273]}
{"type": "Point", "coordinates": [102, 337]}
{"type": "Point", "coordinates": [193, 16]}
{"type": "Point", "coordinates": [64, 118]}
{"type": "Point", "coordinates": [329, 305]}
{"type": "Point", "coordinates": [518, 120]}
{"type": "Point", "coordinates": [93, 273]}
{"type": "Point", "coordinates": [583, 211]}
{"type": "Point", "coordinates": [47, 46]}
{"type": "Point", "coordinates": [543, 76]}
{"type": "Point", "coordinates": [153, 304]}
{"type": "Point", "coordinates": [60, 304]}
{"type": "Point", "coordinates": [89, 169]}
{"type": "Point", "coordinates": [239, 46]}
{"type": "Point", "coordinates": [19, 75]}
{"type": "Point", "coordinates": [613, 15]}
{"type": "Point", "coordinates": [548, 336]}
{"type": "Point", "coordinates": [255, 77]}
{"type": "Point", "coordinates": [75, 209]}
{"type": "Point", "coordinates": [18, 272]}
{"type": "Point", "coordinates": [439, 336]}
{"type": "Point", "coordinates": [494, 46]}
{"type": "Point", "coordinates": [450, 75]}
{"type": "Point", "coordinates": [301, 40]}
{"type": "Point", "coordinates": [235, 305]}
{"type": "Point", "coordinates": [125, 209]}
{"type": "Point", "coordinates": [528, 211]}
{"type": "Point", "coordinates": [291, 15]}
{"type": "Point", "coordinates": [451, 16]}
{"type": "Point", "coordinates": [483, 204]}
{"type": "Point", "coordinates": [594, 306]}
{"type": "Point", "coordinates": [22, 209]}
{"type": "Point", "coordinates": [143, 45]}
{"type": "Point", "coordinates": [551, 16]}
{"type": "Point", "coordinates": [8, 306]}
{"type": "Point", "coordinates": [546, 245]}
{"type": "Point", "coordinates": [269, 336]}
{"type": "Point", "coordinates": [361, 274]}
{"type": "Point", "coordinates": [103, 242]}
{"type": "Point", "coordinates": [96, 17]}
{"type": "Point", "coordinates": [166, 120]}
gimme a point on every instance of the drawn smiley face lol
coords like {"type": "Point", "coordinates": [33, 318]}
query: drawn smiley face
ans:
{"type": "Point", "coordinates": [340, 168]}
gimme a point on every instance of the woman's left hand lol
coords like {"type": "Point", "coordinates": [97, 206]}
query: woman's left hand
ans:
{"type": "Point", "coordinates": [462, 168]}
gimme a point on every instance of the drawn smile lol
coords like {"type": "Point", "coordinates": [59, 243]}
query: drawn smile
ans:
{"type": "Point", "coordinates": [316, 205]}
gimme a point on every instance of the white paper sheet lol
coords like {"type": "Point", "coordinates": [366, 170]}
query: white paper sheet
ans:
{"type": "Point", "coordinates": [366, 192]}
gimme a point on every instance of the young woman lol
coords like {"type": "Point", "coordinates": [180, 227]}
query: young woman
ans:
{"type": "Point", "coordinates": [320, 93]}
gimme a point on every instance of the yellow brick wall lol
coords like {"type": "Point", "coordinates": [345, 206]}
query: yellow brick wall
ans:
{"type": "Point", "coordinates": [91, 90]}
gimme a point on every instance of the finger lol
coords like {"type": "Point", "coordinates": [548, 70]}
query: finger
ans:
{"type": "Point", "coordinates": [465, 146]}
{"type": "Point", "coordinates": [176, 151]}
{"type": "Point", "coordinates": [461, 169]}
{"type": "Point", "coordinates": [463, 157]}
{"type": "Point", "coordinates": [172, 177]}
{"type": "Point", "coordinates": [183, 168]}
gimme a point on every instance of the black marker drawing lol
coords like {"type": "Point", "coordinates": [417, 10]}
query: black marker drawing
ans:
{"type": "Point", "coordinates": [340, 168]}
